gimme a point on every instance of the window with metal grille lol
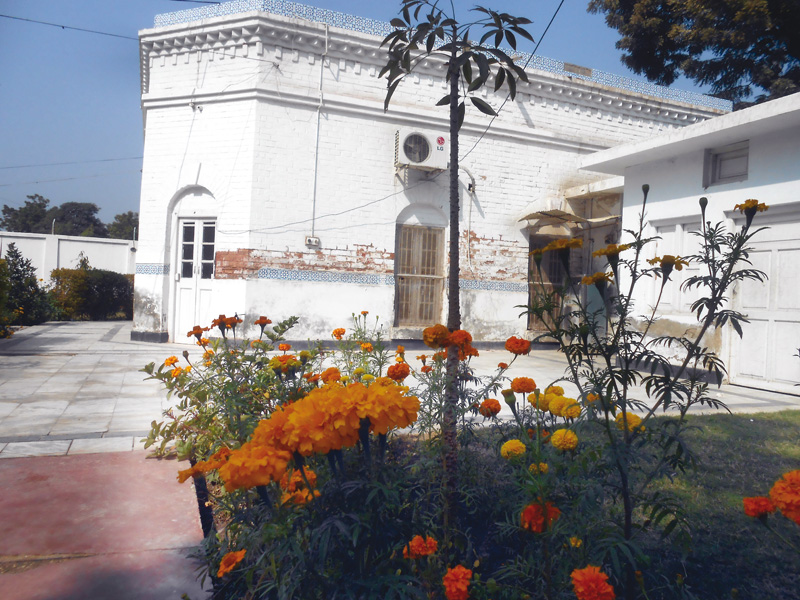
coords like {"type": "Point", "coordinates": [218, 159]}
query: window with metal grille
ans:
{"type": "Point", "coordinates": [419, 275]}
{"type": "Point", "coordinates": [552, 276]}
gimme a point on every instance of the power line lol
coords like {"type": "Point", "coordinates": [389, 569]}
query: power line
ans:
{"type": "Point", "coordinates": [66, 179]}
{"type": "Point", "coordinates": [76, 162]}
{"type": "Point", "coordinates": [508, 96]}
{"type": "Point", "coordinates": [116, 35]}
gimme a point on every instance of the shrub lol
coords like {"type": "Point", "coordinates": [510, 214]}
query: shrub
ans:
{"type": "Point", "coordinates": [28, 302]}
{"type": "Point", "coordinates": [5, 287]}
{"type": "Point", "coordinates": [93, 294]}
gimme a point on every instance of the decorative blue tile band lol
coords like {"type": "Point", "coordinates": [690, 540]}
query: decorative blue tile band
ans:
{"type": "Point", "coordinates": [151, 269]}
{"type": "Point", "coordinates": [497, 286]}
{"type": "Point", "coordinates": [320, 276]}
{"type": "Point", "coordinates": [380, 28]}
{"type": "Point", "coordinates": [375, 279]}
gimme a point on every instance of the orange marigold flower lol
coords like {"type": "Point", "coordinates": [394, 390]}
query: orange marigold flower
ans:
{"type": "Point", "coordinates": [537, 517]}
{"type": "Point", "coordinates": [502, 365]}
{"type": "Point", "coordinates": [460, 338]}
{"type": "Point", "coordinates": [262, 321]}
{"type": "Point", "coordinates": [284, 347]}
{"type": "Point", "coordinates": [758, 506]}
{"type": "Point", "coordinates": [440, 356]}
{"type": "Point", "coordinates": [338, 333]}
{"type": "Point", "coordinates": [456, 583]}
{"type": "Point", "coordinates": [489, 407]}
{"type": "Point", "coordinates": [423, 358]}
{"type": "Point", "coordinates": [590, 397]}
{"type": "Point", "coordinates": [518, 346]}
{"type": "Point", "coordinates": [229, 561]}
{"type": "Point", "coordinates": [436, 337]}
{"type": "Point", "coordinates": [366, 347]}
{"type": "Point", "coordinates": [523, 385]}
{"type": "Point", "coordinates": [365, 312]}
{"type": "Point", "coordinates": [203, 341]}
{"type": "Point", "coordinates": [419, 547]}
{"type": "Point", "coordinates": [590, 583]}
{"type": "Point", "coordinates": [176, 372]}
{"type": "Point", "coordinates": [172, 360]}
{"type": "Point", "coordinates": [330, 374]}
{"type": "Point", "coordinates": [785, 494]}
{"type": "Point", "coordinates": [426, 369]}
{"type": "Point", "coordinates": [401, 349]}
{"type": "Point", "coordinates": [399, 371]}
{"type": "Point", "coordinates": [197, 331]}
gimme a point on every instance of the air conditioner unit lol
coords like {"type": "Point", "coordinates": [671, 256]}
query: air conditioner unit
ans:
{"type": "Point", "coordinates": [416, 149]}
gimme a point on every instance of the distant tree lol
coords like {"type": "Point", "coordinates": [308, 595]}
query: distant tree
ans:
{"type": "Point", "coordinates": [125, 226]}
{"type": "Point", "coordinates": [78, 218]}
{"type": "Point", "coordinates": [738, 47]}
{"type": "Point", "coordinates": [31, 217]}
{"type": "Point", "coordinates": [27, 302]}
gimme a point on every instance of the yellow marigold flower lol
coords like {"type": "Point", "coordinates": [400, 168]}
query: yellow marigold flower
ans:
{"type": "Point", "coordinates": [564, 439]}
{"type": "Point", "coordinates": [345, 378]}
{"type": "Point", "coordinates": [554, 389]}
{"type": "Point", "coordinates": [253, 465]}
{"type": "Point", "coordinates": [597, 278]}
{"type": "Point", "coordinates": [229, 561]}
{"type": "Point", "coordinates": [590, 583]}
{"type": "Point", "coordinates": [358, 371]}
{"type": "Point", "coordinates": [542, 402]}
{"type": "Point", "coordinates": [592, 397]}
{"type": "Point", "coordinates": [366, 347]}
{"type": "Point", "coordinates": [572, 410]}
{"type": "Point", "coordinates": [305, 355]}
{"type": "Point", "coordinates": [512, 449]}
{"type": "Point", "coordinates": [172, 360]}
{"type": "Point", "coordinates": [564, 244]}
{"type": "Point", "coordinates": [751, 204]}
{"type": "Point", "coordinates": [367, 377]}
{"type": "Point", "coordinates": [540, 469]}
{"type": "Point", "coordinates": [556, 404]}
{"type": "Point", "coordinates": [610, 250]}
{"type": "Point", "coordinates": [575, 542]}
{"type": "Point", "coordinates": [668, 262]}
{"type": "Point", "coordinates": [633, 421]}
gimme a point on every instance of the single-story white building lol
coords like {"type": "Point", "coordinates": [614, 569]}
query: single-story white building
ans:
{"type": "Point", "coordinates": [752, 153]}
{"type": "Point", "coordinates": [274, 183]}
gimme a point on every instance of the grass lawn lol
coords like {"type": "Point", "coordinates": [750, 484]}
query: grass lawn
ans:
{"type": "Point", "coordinates": [734, 556]}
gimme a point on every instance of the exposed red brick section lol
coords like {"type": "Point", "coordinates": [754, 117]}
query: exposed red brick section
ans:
{"type": "Point", "coordinates": [359, 258]}
{"type": "Point", "coordinates": [492, 259]}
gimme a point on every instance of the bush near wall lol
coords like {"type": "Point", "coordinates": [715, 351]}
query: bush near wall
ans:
{"type": "Point", "coordinates": [5, 287]}
{"type": "Point", "coordinates": [93, 294]}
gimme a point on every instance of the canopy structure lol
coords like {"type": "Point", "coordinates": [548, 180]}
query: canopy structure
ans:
{"type": "Point", "coordinates": [557, 217]}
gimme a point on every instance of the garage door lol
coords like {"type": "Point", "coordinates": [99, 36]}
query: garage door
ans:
{"type": "Point", "coordinates": [765, 356]}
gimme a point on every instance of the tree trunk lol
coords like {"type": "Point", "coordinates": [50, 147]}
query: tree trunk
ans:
{"type": "Point", "coordinates": [449, 438]}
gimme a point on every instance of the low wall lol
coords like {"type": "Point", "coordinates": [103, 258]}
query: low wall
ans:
{"type": "Point", "coordinates": [48, 252]}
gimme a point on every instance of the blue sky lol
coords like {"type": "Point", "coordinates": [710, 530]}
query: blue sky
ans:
{"type": "Point", "coordinates": [73, 97]}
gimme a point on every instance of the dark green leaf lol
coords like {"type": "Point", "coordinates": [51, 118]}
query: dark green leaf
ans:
{"type": "Point", "coordinates": [512, 40]}
{"type": "Point", "coordinates": [443, 101]}
{"type": "Point", "coordinates": [461, 111]}
{"type": "Point", "coordinates": [483, 106]}
{"type": "Point", "coordinates": [392, 88]}
{"type": "Point", "coordinates": [501, 77]}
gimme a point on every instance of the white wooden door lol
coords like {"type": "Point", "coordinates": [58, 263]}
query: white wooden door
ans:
{"type": "Point", "coordinates": [765, 356]}
{"type": "Point", "coordinates": [195, 272]}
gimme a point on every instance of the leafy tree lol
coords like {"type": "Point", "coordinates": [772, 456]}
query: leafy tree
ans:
{"type": "Point", "coordinates": [437, 35]}
{"type": "Point", "coordinates": [78, 218]}
{"type": "Point", "coordinates": [28, 303]}
{"type": "Point", "coordinates": [31, 217]}
{"type": "Point", "coordinates": [736, 46]}
{"type": "Point", "coordinates": [125, 226]}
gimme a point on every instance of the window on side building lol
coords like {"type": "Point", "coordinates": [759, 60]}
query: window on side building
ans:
{"type": "Point", "coordinates": [726, 164]}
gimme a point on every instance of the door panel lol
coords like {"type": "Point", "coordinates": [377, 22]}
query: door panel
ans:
{"type": "Point", "coordinates": [195, 274]}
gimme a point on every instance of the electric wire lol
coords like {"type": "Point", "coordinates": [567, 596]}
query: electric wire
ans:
{"type": "Point", "coordinates": [74, 162]}
{"type": "Point", "coordinates": [116, 35]}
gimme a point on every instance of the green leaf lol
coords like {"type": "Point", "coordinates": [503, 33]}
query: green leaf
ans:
{"type": "Point", "coordinates": [501, 77]}
{"type": "Point", "coordinates": [483, 106]}
{"type": "Point", "coordinates": [467, 70]}
{"type": "Point", "coordinates": [392, 88]}
{"type": "Point", "coordinates": [512, 86]}
{"type": "Point", "coordinates": [399, 23]}
{"type": "Point", "coordinates": [443, 101]}
{"type": "Point", "coordinates": [461, 110]}
{"type": "Point", "coordinates": [512, 40]}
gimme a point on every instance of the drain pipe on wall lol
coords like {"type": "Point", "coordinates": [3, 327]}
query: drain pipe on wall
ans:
{"type": "Point", "coordinates": [471, 188]}
{"type": "Point", "coordinates": [316, 144]}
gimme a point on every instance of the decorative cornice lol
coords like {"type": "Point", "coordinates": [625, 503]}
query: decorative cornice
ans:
{"type": "Point", "coordinates": [252, 35]}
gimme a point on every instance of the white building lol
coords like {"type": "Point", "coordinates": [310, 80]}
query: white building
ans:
{"type": "Point", "coordinates": [271, 182]}
{"type": "Point", "coordinates": [752, 153]}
